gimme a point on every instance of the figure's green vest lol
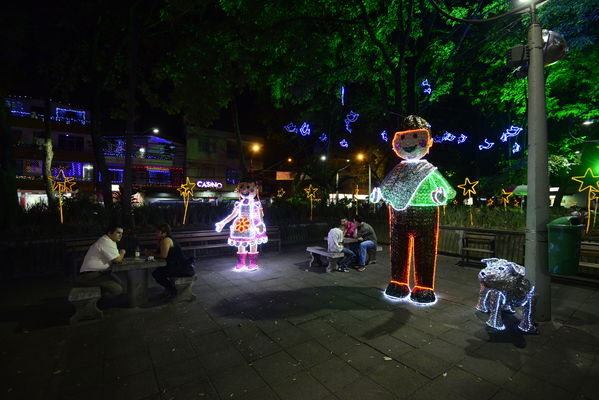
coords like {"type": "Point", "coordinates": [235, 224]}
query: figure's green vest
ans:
{"type": "Point", "coordinates": [413, 183]}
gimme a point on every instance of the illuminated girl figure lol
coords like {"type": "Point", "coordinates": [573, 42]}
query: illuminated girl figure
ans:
{"type": "Point", "coordinates": [414, 190]}
{"type": "Point", "coordinates": [248, 229]}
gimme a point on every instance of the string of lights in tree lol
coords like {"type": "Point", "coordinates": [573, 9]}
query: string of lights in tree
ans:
{"type": "Point", "coordinates": [426, 87]}
{"type": "Point", "coordinates": [350, 118]}
{"type": "Point", "coordinates": [512, 132]}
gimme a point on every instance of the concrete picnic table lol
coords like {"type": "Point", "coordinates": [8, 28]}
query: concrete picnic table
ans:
{"type": "Point", "coordinates": [138, 274]}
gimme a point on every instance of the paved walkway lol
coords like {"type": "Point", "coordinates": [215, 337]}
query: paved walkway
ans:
{"type": "Point", "coordinates": [286, 332]}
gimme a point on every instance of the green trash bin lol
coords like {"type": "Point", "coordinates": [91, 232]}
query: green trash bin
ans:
{"type": "Point", "coordinates": [564, 245]}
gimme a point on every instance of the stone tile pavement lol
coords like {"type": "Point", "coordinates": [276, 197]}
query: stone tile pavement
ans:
{"type": "Point", "coordinates": [290, 332]}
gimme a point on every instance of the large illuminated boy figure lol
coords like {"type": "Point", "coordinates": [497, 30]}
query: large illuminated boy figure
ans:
{"type": "Point", "coordinates": [414, 190]}
{"type": "Point", "coordinates": [248, 229]}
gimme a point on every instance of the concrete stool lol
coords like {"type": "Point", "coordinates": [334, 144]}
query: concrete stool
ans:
{"type": "Point", "coordinates": [85, 299]}
{"type": "Point", "coordinates": [184, 284]}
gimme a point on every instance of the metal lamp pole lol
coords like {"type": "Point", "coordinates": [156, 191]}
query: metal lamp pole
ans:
{"type": "Point", "coordinates": [369, 180]}
{"type": "Point", "coordinates": [537, 213]}
{"type": "Point", "coordinates": [337, 182]}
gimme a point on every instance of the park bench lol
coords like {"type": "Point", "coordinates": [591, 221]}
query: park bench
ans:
{"type": "Point", "coordinates": [184, 285]}
{"type": "Point", "coordinates": [194, 241]}
{"type": "Point", "coordinates": [85, 299]}
{"type": "Point", "coordinates": [589, 250]}
{"type": "Point", "coordinates": [481, 243]}
{"type": "Point", "coordinates": [317, 253]}
{"type": "Point", "coordinates": [371, 251]}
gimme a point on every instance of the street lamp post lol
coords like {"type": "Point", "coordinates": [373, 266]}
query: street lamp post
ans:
{"type": "Point", "coordinates": [361, 158]}
{"type": "Point", "coordinates": [337, 182]}
{"type": "Point", "coordinates": [537, 214]}
{"type": "Point", "coordinates": [255, 148]}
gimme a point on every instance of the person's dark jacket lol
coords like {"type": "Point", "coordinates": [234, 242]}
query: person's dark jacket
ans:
{"type": "Point", "coordinates": [366, 232]}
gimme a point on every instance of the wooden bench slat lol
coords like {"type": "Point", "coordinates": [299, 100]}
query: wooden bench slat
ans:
{"type": "Point", "coordinates": [482, 239]}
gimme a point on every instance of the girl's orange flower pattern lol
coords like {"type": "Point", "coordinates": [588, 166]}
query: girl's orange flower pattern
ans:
{"type": "Point", "coordinates": [242, 224]}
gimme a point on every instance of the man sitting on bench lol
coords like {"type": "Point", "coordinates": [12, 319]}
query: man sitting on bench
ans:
{"type": "Point", "coordinates": [335, 245]}
{"type": "Point", "coordinates": [95, 270]}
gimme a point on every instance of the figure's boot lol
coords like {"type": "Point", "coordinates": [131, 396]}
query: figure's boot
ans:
{"type": "Point", "coordinates": [423, 295]}
{"type": "Point", "coordinates": [253, 261]}
{"type": "Point", "coordinates": [240, 261]}
{"type": "Point", "coordinates": [397, 290]}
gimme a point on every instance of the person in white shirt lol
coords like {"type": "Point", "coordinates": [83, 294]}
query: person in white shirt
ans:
{"type": "Point", "coordinates": [95, 270]}
{"type": "Point", "coordinates": [335, 245]}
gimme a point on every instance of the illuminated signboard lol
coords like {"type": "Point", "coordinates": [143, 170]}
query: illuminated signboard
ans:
{"type": "Point", "coordinates": [209, 184]}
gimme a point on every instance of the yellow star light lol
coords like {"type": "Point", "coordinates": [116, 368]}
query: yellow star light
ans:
{"type": "Point", "coordinates": [490, 202]}
{"type": "Point", "coordinates": [468, 187]}
{"type": "Point", "coordinates": [62, 183]}
{"type": "Point", "coordinates": [280, 192]}
{"type": "Point", "coordinates": [516, 203]}
{"type": "Point", "coordinates": [311, 192]}
{"type": "Point", "coordinates": [186, 189]}
{"type": "Point", "coordinates": [587, 182]}
{"type": "Point", "coordinates": [506, 196]}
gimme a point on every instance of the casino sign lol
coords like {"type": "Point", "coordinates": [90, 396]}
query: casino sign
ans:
{"type": "Point", "coordinates": [209, 184]}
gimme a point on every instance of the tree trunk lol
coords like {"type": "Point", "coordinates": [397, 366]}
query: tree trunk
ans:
{"type": "Point", "coordinates": [104, 186]}
{"type": "Point", "coordinates": [48, 155]}
{"type": "Point", "coordinates": [9, 204]}
{"type": "Point", "coordinates": [242, 163]}
{"type": "Point", "coordinates": [127, 172]}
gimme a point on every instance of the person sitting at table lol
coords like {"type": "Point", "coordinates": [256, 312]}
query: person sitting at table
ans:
{"type": "Point", "coordinates": [350, 228]}
{"type": "Point", "coordinates": [367, 238]}
{"type": "Point", "coordinates": [335, 245]}
{"type": "Point", "coordinates": [95, 270]}
{"type": "Point", "coordinates": [176, 263]}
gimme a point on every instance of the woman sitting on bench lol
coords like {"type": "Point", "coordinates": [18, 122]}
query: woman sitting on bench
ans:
{"type": "Point", "coordinates": [176, 263]}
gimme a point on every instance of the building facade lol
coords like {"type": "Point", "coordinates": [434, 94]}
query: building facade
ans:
{"type": "Point", "coordinates": [212, 161]}
{"type": "Point", "coordinates": [158, 163]}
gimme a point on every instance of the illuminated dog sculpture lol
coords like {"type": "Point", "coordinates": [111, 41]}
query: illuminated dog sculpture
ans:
{"type": "Point", "coordinates": [503, 287]}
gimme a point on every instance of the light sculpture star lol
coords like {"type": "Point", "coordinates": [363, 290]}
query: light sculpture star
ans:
{"type": "Point", "coordinates": [186, 191]}
{"type": "Point", "coordinates": [588, 182]}
{"type": "Point", "coordinates": [280, 192]}
{"type": "Point", "coordinates": [311, 194]}
{"type": "Point", "coordinates": [468, 187]}
{"type": "Point", "coordinates": [62, 184]}
{"type": "Point", "coordinates": [505, 197]}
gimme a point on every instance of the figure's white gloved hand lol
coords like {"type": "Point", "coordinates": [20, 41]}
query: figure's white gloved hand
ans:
{"type": "Point", "coordinates": [219, 226]}
{"type": "Point", "coordinates": [438, 195]}
{"type": "Point", "coordinates": [376, 195]}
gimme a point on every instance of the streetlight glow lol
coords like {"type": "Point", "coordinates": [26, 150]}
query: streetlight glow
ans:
{"type": "Point", "coordinates": [323, 158]}
{"type": "Point", "coordinates": [156, 130]}
{"type": "Point", "coordinates": [290, 159]}
{"type": "Point", "coordinates": [255, 148]}
{"type": "Point", "coordinates": [360, 156]}
{"type": "Point", "coordinates": [588, 122]}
